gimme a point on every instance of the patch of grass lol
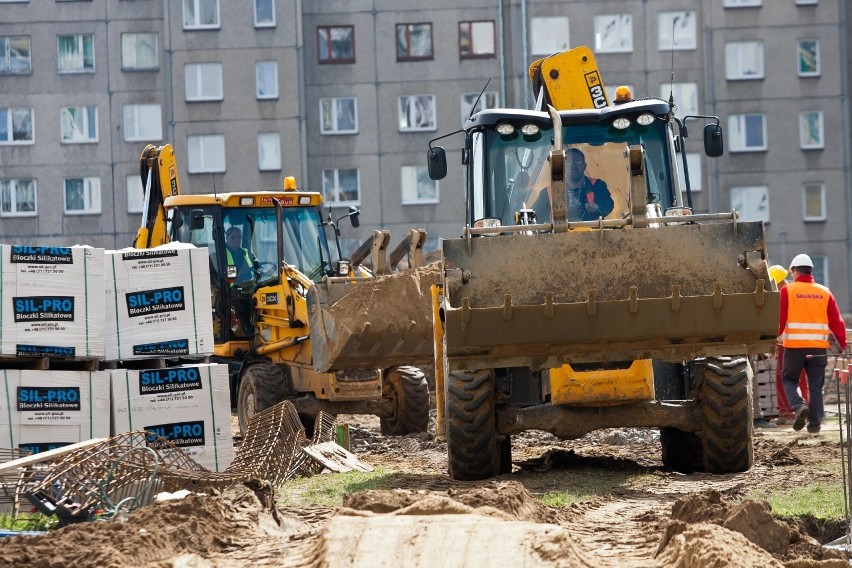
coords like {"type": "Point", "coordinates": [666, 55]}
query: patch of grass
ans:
{"type": "Point", "coordinates": [27, 522]}
{"type": "Point", "coordinates": [582, 484]}
{"type": "Point", "coordinates": [822, 500]}
{"type": "Point", "coordinates": [328, 489]}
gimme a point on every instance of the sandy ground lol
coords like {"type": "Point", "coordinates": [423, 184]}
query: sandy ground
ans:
{"type": "Point", "coordinates": [424, 519]}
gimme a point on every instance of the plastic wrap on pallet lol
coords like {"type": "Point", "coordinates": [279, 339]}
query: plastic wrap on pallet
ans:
{"type": "Point", "coordinates": [44, 410]}
{"type": "Point", "coordinates": [51, 302]}
{"type": "Point", "coordinates": [158, 302]}
{"type": "Point", "coordinates": [189, 405]}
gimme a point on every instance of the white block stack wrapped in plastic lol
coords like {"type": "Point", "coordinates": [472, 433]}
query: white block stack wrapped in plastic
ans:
{"type": "Point", "coordinates": [188, 405]}
{"type": "Point", "coordinates": [158, 302]}
{"type": "Point", "coordinates": [43, 410]}
{"type": "Point", "coordinates": [51, 302]}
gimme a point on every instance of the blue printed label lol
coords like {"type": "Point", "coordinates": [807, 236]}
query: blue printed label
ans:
{"type": "Point", "coordinates": [181, 434]}
{"type": "Point", "coordinates": [42, 255]}
{"type": "Point", "coordinates": [155, 301]}
{"type": "Point", "coordinates": [156, 381]}
{"type": "Point", "coordinates": [48, 398]}
{"type": "Point", "coordinates": [54, 351]}
{"type": "Point", "coordinates": [37, 448]}
{"type": "Point", "coordinates": [43, 308]}
{"type": "Point", "coordinates": [174, 347]}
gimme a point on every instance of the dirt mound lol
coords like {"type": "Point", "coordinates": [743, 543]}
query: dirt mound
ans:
{"type": "Point", "coordinates": [510, 498]}
{"type": "Point", "coordinates": [706, 545]}
{"type": "Point", "coordinates": [197, 524]}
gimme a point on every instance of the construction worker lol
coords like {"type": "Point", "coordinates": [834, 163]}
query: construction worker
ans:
{"type": "Point", "coordinates": [238, 256]}
{"type": "Point", "coordinates": [785, 414]}
{"type": "Point", "coordinates": [808, 315]}
{"type": "Point", "coordinates": [588, 198]}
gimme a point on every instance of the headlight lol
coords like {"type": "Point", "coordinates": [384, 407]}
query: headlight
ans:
{"type": "Point", "coordinates": [529, 129]}
{"type": "Point", "coordinates": [646, 119]}
{"type": "Point", "coordinates": [344, 268]}
{"type": "Point", "coordinates": [505, 129]}
{"type": "Point", "coordinates": [621, 123]}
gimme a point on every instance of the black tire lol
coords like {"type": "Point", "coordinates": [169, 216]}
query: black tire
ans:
{"type": "Point", "coordinates": [473, 451]}
{"type": "Point", "coordinates": [408, 389]}
{"type": "Point", "coordinates": [262, 386]}
{"type": "Point", "coordinates": [681, 450]}
{"type": "Point", "coordinates": [726, 409]}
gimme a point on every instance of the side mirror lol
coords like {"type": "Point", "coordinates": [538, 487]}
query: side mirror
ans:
{"type": "Point", "coordinates": [355, 216]}
{"type": "Point", "coordinates": [196, 219]}
{"type": "Point", "coordinates": [713, 143]}
{"type": "Point", "coordinates": [437, 161]}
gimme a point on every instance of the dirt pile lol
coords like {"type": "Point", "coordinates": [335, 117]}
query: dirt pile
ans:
{"type": "Point", "coordinates": [694, 517]}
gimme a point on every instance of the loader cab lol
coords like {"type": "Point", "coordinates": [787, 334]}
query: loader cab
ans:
{"type": "Point", "coordinates": [251, 221]}
{"type": "Point", "coordinates": [508, 165]}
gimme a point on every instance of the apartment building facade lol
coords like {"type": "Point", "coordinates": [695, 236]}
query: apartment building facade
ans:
{"type": "Point", "coordinates": [346, 95]}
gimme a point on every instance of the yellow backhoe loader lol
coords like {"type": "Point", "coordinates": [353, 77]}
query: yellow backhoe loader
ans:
{"type": "Point", "coordinates": [268, 252]}
{"type": "Point", "coordinates": [552, 319]}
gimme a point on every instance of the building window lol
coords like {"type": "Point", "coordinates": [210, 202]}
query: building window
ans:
{"type": "Point", "coordinates": [808, 57]}
{"type": "Point", "coordinates": [742, 3]}
{"type": "Point", "coordinates": [813, 201]}
{"type": "Point", "coordinates": [139, 51]}
{"type": "Point", "coordinates": [488, 100]}
{"type": "Point", "coordinates": [696, 175]}
{"type": "Point", "coordinates": [676, 31]}
{"type": "Point", "coordinates": [264, 13]}
{"type": "Point", "coordinates": [269, 151]}
{"type": "Point", "coordinates": [548, 35]}
{"type": "Point", "coordinates": [747, 132]}
{"type": "Point", "coordinates": [203, 81]}
{"type": "Point", "coordinates": [76, 53]}
{"type": "Point", "coordinates": [413, 42]}
{"type": "Point", "coordinates": [341, 186]}
{"type": "Point", "coordinates": [810, 130]}
{"type": "Point", "coordinates": [417, 186]}
{"type": "Point", "coordinates": [685, 97]}
{"type": "Point", "coordinates": [17, 57]}
{"type": "Point", "coordinates": [744, 60]}
{"type": "Point", "coordinates": [336, 44]}
{"type": "Point", "coordinates": [820, 271]}
{"type": "Point", "coordinates": [752, 203]}
{"type": "Point", "coordinates": [266, 73]}
{"type": "Point", "coordinates": [807, 2]}
{"type": "Point", "coordinates": [79, 124]}
{"type": "Point", "coordinates": [16, 125]}
{"type": "Point", "coordinates": [142, 123]}
{"type": "Point", "coordinates": [206, 153]}
{"type": "Point", "coordinates": [83, 196]}
{"type": "Point", "coordinates": [339, 115]}
{"type": "Point", "coordinates": [200, 14]}
{"type": "Point", "coordinates": [614, 33]}
{"type": "Point", "coordinates": [18, 198]}
{"type": "Point", "coordinates": [135, 193]}
{"type": "Point", "coordinates": [476, 39]}
{"type": "Point", "coordinates": [416, 113]}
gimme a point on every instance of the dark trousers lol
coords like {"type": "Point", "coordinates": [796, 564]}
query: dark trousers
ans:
{"type": "Point", "coordinates": [814, 362]}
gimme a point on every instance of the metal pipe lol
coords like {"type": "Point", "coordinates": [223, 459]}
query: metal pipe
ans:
{"type": "Point", "coordinates": [525, 54]}
{"type": "Point", "coordinates": [844, 106]}
{"type": "Point", "coordinates": [500, 55]}
{"type": "Point", "coordinates": [300, 70]}
{"type": "Point", "coordinates": [167, 48]}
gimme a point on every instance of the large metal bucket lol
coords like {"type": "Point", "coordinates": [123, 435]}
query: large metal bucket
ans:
{"type": "Point", "coordinates": [668, 292]}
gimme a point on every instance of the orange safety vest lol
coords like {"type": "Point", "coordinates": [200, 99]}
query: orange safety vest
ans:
{"type": "Point", "coordinates": [807, 316]}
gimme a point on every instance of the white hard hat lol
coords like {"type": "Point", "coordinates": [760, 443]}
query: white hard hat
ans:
{"type": "Point", "coordinates": [801, 260]}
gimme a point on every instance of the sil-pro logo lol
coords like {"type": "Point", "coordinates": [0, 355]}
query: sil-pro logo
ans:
{"type": "Point", "coordinates": [42, 255]}
{"type": "Point", "coordinates": [155, 381]}
{"type": "Point", "coordinates": [48, 398]}
{"type": "Point", "coordinates": [43, 308]}
{"type": "Point", "coordinates": [52, 351]}
{"type": "Point", "coordinates": [181, 434]}
{"type": "Point", "coordinates": [173, 347]}
{"type": "Point", "coordinates": [37, 448]}
{"type": "Point", "coordinates": [155, 301]}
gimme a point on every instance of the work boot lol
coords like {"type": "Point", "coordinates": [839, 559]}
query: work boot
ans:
{"type": "Point", "coordinates": [784, 420]}
{"type": "Point", "coordinates": [801, 418]}
{"type": "Point", "coordinates": [813, 428]}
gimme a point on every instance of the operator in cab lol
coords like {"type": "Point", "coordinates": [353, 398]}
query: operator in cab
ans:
{"type": "Point", "coordinates": [241, 258]}
{"type": "Point", "coordinates": [588, 198]}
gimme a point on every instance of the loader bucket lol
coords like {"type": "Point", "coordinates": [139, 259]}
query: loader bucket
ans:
{"type": "Point", "coordinates": [671, 292]}
{"type": "Point", "coordinates": [373, 322]}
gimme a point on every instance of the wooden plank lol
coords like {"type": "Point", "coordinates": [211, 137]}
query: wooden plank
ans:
{"type": "Point", "coordinates": [48, 455]}
{"type": "Point", "coordinates": [336, 458]}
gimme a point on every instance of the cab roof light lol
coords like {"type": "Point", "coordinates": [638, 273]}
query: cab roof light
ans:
{"type": "Point", "coordinates": [289, 183]}
{"type": "Point", "coordinates": [304, 200]}
{"type": "Point", "coordinates": [623, 94]}
{"type": "Point", "coordinates": [645, 119]}
{"type": "Point", "coordinates": [244, 201]}
{"type": "Point", "coordinates": [621, 123]}
{"type": "Point", "coordinates": [505, 128]}
{"type": "Point", "coordinates": [530, 129]}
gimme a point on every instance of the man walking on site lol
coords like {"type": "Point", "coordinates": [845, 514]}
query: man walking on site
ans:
{"type": "Point", "coordinates": [808, 315]}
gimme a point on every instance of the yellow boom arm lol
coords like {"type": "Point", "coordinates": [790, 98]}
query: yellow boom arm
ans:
{"type": "Point", "coordinates": [568, 80]}
{"type": "Point", "coordinates": [158, 170]}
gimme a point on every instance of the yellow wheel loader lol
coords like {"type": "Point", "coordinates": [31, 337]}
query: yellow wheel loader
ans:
{"type": "Point", "coordinates": [268, 252]}
{"type": "Point", "coordinates": [563, 315]}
